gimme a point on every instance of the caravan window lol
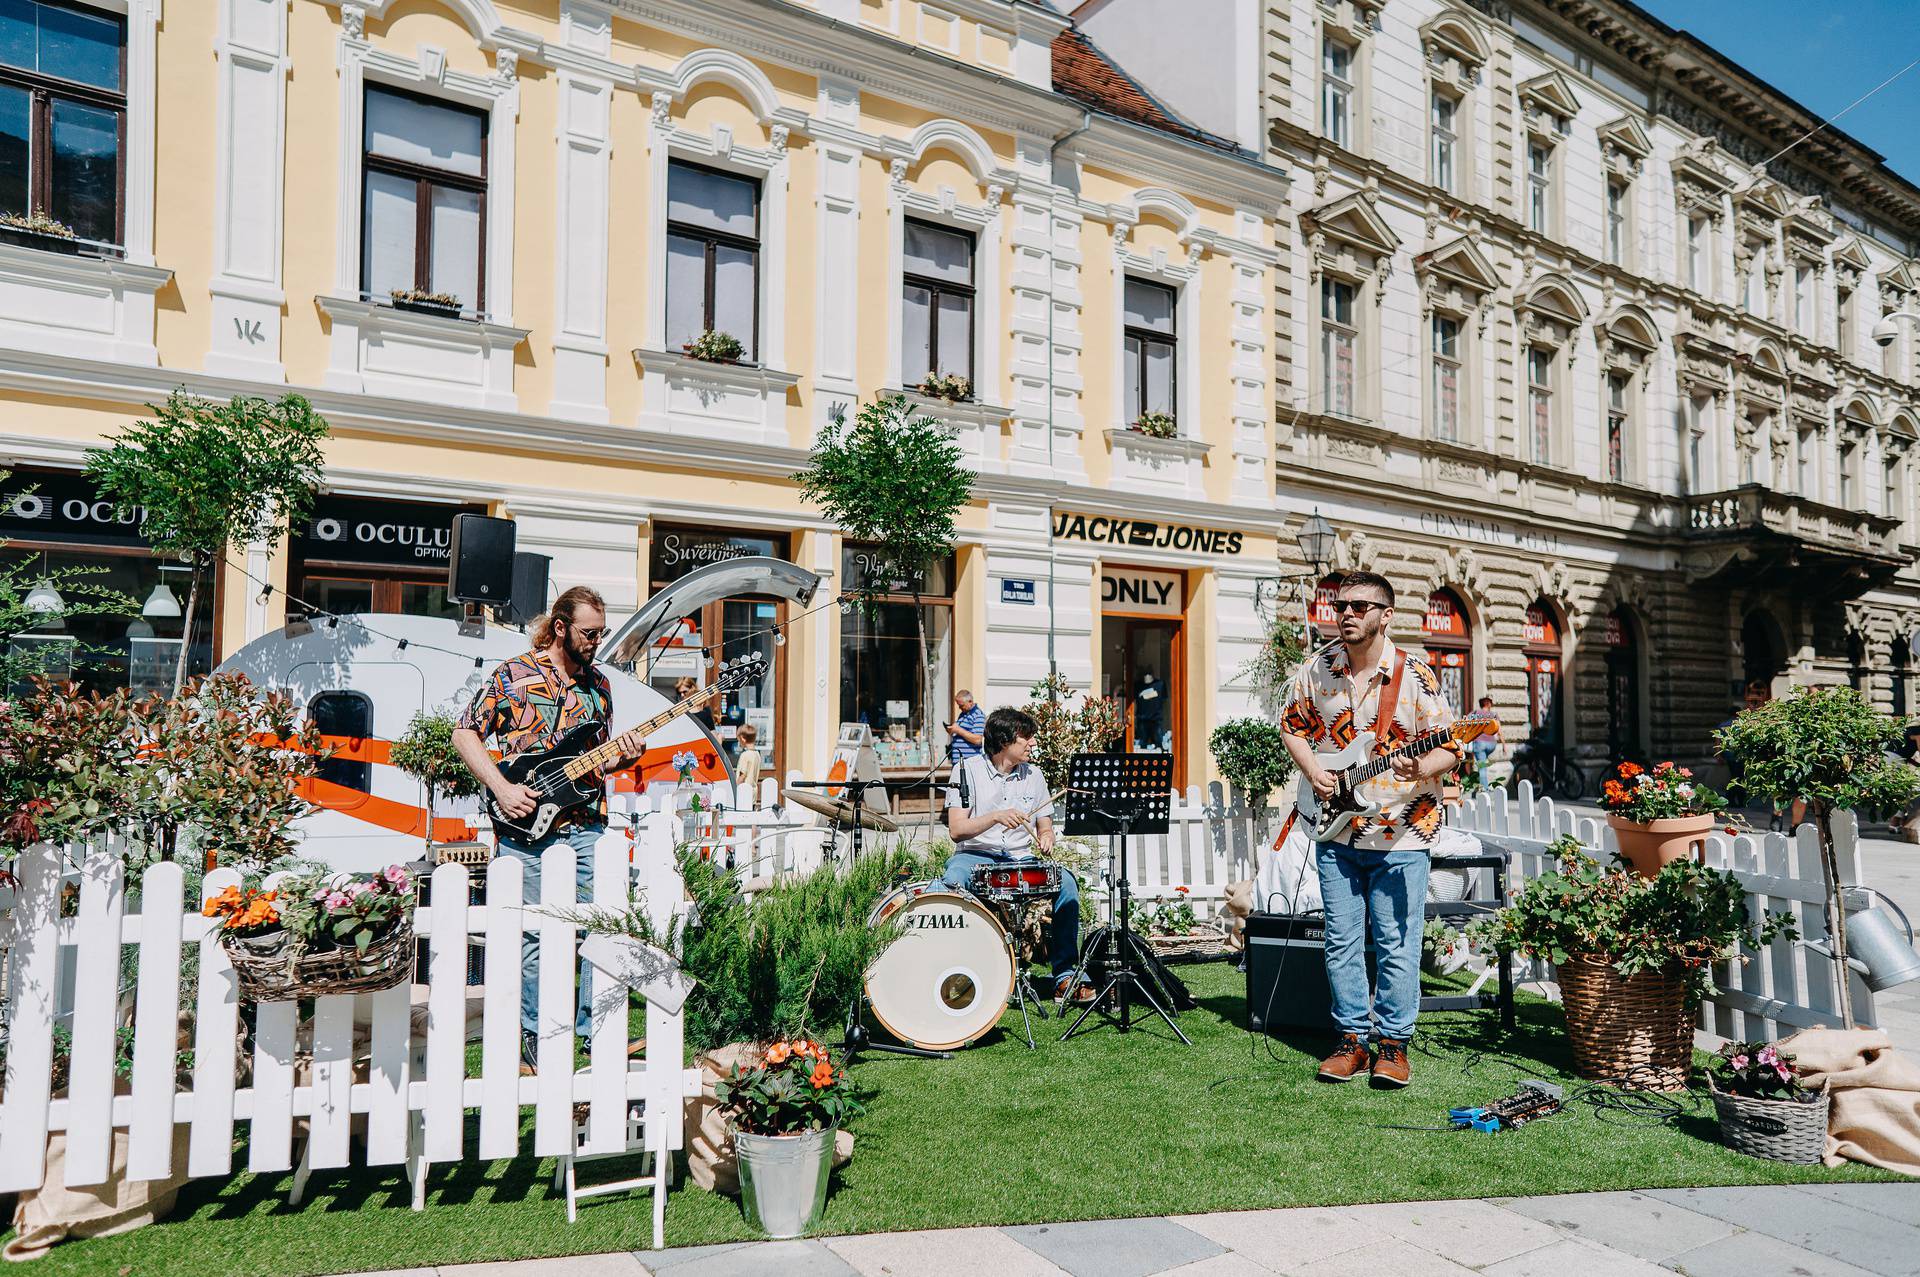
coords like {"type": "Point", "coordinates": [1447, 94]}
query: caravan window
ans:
{"type": "Point", "coordinates": [344, 714]}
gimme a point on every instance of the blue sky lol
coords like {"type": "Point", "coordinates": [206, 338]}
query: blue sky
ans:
{"type": "Point", "coordinates": [1823, 55]}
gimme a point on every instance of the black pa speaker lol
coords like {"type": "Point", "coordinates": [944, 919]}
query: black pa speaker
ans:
{"type": "Point", "coordinates": [1287, 972]}
{"type": "Point", "coordinates": [529, 587]}
{"type": "Point", "coordinates": [481, 560]}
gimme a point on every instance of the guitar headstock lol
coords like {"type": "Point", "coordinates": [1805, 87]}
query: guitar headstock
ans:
{"type": "Point", "coordinates": [1469, 727]}
{"type": "Point", "coordinates": [740, 671]}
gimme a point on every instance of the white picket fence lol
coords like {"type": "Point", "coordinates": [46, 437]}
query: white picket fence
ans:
{"type": "Point", "coordinates": [413, 1106]}
{"type": "Point", "coordinates": [1779, 989]}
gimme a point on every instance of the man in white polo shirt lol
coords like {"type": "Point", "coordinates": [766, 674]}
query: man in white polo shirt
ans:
{"type": "Point", "coordinates": [998, 810]}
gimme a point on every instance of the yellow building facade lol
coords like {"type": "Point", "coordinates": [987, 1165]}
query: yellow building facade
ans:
{"type": "Point", "coordinates": [479, 234]}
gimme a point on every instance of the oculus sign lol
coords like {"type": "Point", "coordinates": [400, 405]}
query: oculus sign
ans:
{"type": "Point", "coordinates": [379, 533]}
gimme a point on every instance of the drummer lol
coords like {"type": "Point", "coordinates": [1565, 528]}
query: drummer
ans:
{"type": "Point", "coordinates": [998, 810]}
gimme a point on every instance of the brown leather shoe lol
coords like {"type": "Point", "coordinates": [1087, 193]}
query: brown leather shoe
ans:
{"type": "Point", "coordinates": [1390, 1066]}
{"type": "Point", "coordinates": [1349, 1061]}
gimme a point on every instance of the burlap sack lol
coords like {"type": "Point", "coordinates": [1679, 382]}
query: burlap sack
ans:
{"type": "Point", "coordinates": [45, 1216]}
{"type": "Point", "coordinates": [711, 1161]}
{"type": "Point", "coordinates": [1875, 1113]}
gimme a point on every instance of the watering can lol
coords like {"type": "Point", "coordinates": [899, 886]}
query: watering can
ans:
{"type": "Point", "coordinates": [1875, 943]}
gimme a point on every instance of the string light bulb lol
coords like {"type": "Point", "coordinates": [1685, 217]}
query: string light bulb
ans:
{"type": "Point", "coordinates": [779, 638]}
{"type": "Point", "coordinates": [402, 645]}
{"type": "Point", "coordinates": [266, 592]}
{"type": "Point", "coordinates": [333, 622]}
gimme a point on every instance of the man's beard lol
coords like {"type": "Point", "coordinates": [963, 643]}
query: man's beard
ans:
{"type": "Point", "coordinates": [582, 656]}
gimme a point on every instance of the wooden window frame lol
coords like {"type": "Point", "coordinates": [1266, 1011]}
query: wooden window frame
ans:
{"type": "Point", "coordinates": [42, 91]}
{"type": "Point", "coordinates": [935, 289]}
{"type": "Point", "coordinates": [1351, 330]}
{"type": "Point", "coordinates": [713, 239]}
{"type": "Point", "coordinates": [425, 178]}
{"type": "Point", "coordinates": [1619, 418]}
{"type": "Point", "coordinates": [1456, 362]}
{"type": "Point", "coordinates": [1338, 90]}
{"type": "Point", "coordinates": [1151, 336]}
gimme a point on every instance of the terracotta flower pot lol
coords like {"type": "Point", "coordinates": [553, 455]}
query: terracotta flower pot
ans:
{"type": "Point", "coordinates": [1651, 845]}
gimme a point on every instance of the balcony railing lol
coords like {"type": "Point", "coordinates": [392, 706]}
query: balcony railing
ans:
{"type": "Point", "coordinates": [1760, 511]}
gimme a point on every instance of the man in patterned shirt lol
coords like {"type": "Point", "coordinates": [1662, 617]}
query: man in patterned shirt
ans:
{"type": "Point", "coordinates": [528, 703]}
{"type": "Point", "coordinates": [1378, 873]}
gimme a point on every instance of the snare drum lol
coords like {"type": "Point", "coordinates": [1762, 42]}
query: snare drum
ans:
{"type": "Point", "coordinates": [949, 976]}
{"type": "Point", "coordinates": [1008, 880]}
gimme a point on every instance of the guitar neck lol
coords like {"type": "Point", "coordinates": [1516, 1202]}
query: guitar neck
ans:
{"type": "Point", "coordinates": [1420, 744]}
{"type": "Point", "coordinates": [633, 738]}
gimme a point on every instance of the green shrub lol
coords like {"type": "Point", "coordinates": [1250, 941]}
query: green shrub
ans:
{"type": "Point", "coordinates": [1252, 754]}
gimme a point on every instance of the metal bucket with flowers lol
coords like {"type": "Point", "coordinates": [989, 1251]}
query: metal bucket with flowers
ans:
{"type": "Point", "coordinates": [316, 934]}
{"type": "Point", "coordinates": [785, 1111]}
{"type": "Point", "coordinates": [1658, 815]}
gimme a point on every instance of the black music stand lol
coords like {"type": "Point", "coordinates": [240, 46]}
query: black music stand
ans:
{"type": "Point", "coordinates": [1119, 795]}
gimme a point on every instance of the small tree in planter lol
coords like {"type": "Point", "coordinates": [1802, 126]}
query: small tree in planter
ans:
{"type": "Point", "coordinates": [1065, 729]}
{"type": "Point", "coordinates": [212, 477]}
{"type": "Point", "coordinates": [426, 753]}
{"type": "Point", "coordinates": [1825, 746]}
{"type": "Point", "coordinates": [1252, 755]}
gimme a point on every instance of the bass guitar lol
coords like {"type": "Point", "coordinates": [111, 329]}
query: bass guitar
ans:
{"type": "Point", "coordinates": [1328, 818]}
{"type": "Point", "coordinates": [566, 774]}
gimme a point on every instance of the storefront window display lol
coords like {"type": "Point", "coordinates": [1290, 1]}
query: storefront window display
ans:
{"type": "Point", "coordinates": [1142, 658]}
{"type": "Point", "coordinates": [1449, 640]}
{"type": "Point", "coordinates": [881, 682]}
{"type": "Point", "coordinates": [361, 554]}
{"type": "Point", "coordinates": [1540, 632]}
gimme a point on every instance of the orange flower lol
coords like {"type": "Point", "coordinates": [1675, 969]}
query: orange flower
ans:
{"type": "Point", "coordinates": [778, 1053]}
{"type": "Point", "coordinates": [1630, 770]}
{"type": "Point", "coordinates": [808, 1050]}
{"type": "Point", "coordinates": [822, 1076]}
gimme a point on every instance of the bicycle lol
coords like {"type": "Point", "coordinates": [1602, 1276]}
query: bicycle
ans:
{"type": "Point", "coordinates": [1553, 774]}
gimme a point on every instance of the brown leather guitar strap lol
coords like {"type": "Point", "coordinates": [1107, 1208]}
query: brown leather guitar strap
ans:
{"type": "Point", "coordinates": [1389, 702]}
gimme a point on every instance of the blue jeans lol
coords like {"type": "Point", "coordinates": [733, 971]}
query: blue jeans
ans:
{"type": "Point", "coordinates": [583, 837]}
{"type": "Point", "coordinates": [1387, 890]}
{"type": "Point", "coordinates": [1066, 904]}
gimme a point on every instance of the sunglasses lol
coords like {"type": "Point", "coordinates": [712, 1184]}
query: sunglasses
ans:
{"type": "Point", "coordinates": [592, 635]}
{"type": "Point", "coordinates": [1362, 606]}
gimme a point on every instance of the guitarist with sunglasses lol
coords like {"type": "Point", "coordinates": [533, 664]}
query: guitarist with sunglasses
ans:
{"type": "Point", "coordinates": [526, 704]}
{"type": "Point", "coordinates": [1373, 873]}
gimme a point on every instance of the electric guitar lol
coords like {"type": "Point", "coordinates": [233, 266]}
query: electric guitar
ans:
{"type": "Point", "coordinates": [1353, 766]}
{"type": "Point", "coordinates": [566, 774]}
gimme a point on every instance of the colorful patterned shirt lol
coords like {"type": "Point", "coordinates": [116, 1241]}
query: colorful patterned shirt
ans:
{"type": "Point", "coordinates": [1324, 705]}
{"type": "Point", "coordinates": [529, 702]}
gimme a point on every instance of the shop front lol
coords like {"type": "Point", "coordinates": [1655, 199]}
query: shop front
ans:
{"type": "Point", "coordinates": [882, 679]}
{"type": "Point", "coordinates": [358, 555]}
{"type": "Point", "coordinates": [1449, 648]}
{"type": "Point", "coordinates": [1143, 658]}
{"type": "Point", "coordinates": [724, 630]}
{"type": "Point", "coordinates": [54, 520]}
{"type": "Point", "coordinates": [1624, 718]}
{"type": "Point", "coordinates": [1540, 634]}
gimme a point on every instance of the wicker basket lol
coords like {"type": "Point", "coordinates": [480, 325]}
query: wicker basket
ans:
{"type": "Point", "coordinates": [1195, 946]}
{"type": "Point", "coordinates": [286, 976]}
{"type": "Point", "coordinates": [1778, 1130]}
{"type": "Point", "coordinates": [1627, 1029]}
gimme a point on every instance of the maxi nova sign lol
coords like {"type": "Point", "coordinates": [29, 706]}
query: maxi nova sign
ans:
{"type": "Point", "coordinates": [1144, 534]}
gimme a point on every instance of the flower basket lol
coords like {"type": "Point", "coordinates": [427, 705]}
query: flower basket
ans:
{"type": "Point", "coordinates": [1194, 946]}
{"type": "Point", "coordinates": [1793, 1131]}
{"type": "Point", "coordinates": [419, 306]}
{"type": "Point", "coordinates": [45, 241]}
{"type": "Point", "coordinates": [1627, 1028]}
{"type": "Point", "coordinates": [1649, 846]}
{"type": "Point", "coordinates": [287, 975]}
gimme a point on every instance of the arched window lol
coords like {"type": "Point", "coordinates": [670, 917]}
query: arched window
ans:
{"type": "Point", "coordinates": [1541, 635]}
{"type": "Point", "coordinates": [1449, 638]}
{"type": "Point", "coordinates": [1624, 688]}
{"type": "Point", "coordinates": [1325, 624]}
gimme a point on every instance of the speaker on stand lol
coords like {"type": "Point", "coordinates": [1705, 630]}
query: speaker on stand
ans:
{"type": "Point", "coordinates": [480, 566]}
{"type": "Point", "coordinates": [529, 587]}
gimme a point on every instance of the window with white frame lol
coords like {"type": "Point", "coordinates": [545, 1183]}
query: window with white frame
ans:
{"type": "Point", "coordinates": [1619, 392]}
{"type": "Point", "coordinates": [1446, 141]}
{"type": "Point", "coordinates": [1891, 503]}
{"type": "Point", "coordinates": [713, 256]}
{"type": "Point", "coordinates": [1339, 347]}
{"type": "Point", "coordinates": [1844, 312]}
{"type": "Point", "coordinates": [1850, 450]}
{"type": "Point", "coordinates": [1618, 194]}
{"type": "Point", "coordinates": [1803, 299]}
{"type": "Point", "coordinates": [1699, 249]}
{"type": "Point", "coordinates": [1539, 187]}
{"type": "Point", "coordinates": [1446, 378]}
{"type": "Point", "coordinates": [63, 116]}
{"type": "Point", "coordinates": [1539, 405]}
{"type": "Point", "coordinates": [1151, 349]}
{"type": "Point", "coordinates": [1803, 471]}
{"type": "Point", "coordinates": [936, 316]}
{"type": "Point", "coordinates": [1756, 285]}
{"type": "Point", "coordinates": [424, 200]}
{"type": "Point", "coordinates": [1336, 91]}
{"type": "Point", "coordinates": [1699, 452]}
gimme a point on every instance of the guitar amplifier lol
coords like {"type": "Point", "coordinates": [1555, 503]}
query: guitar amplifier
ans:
{"type": "Point", "coordinates": [1287, 973]}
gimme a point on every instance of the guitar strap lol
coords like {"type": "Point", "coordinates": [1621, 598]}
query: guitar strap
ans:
{"type": "Point", "coordinates": [1389, 702]}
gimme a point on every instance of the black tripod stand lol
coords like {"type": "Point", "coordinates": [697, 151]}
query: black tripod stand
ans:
{"type": "Point", "coordinates": [1119, 795]}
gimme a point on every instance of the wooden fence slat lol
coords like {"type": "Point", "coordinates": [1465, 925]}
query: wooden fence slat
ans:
{"type": "Point", "coordinates": [156, 1022]}
{"type": "Point", "coordinates": [664, 1085]}
{"type": "Point", "coordinates": [389, 1075]}
{"type": "Point", "coordinates": [446, 1014]}
{"type": "Point", "coordinates": [34, 959]}
{"type": "Point", "coordinates": [270, 1133]}
{"type": "Point", "coordinates": [500, 1018]}
{"type": "Point", "coordinates": [96, 1003]}
{"type": "Point", "coordinates": [331, 1120]}
{"type": "Point", "coordinates": [216, 1020]}
{"type": "Point", "coordinates": [553, 1105]}
{"type": "Point", "coordinates": [607, 1110]}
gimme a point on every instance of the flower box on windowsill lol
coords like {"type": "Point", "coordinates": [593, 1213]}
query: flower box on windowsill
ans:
{"type": "Point", "coordinates": [1142, 460]}
{"type": "Point", "coordinates": [418, 307]}
{"type": "Point", "coordinates": [976, 424]}
{"type": "Point", "coordinates": [43, 240]}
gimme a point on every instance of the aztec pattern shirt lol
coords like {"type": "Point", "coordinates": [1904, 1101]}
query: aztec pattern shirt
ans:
{"type": "Point", "coordinates": [1327, 707]}
{"type": "Point", "coordinates": [529, 702]}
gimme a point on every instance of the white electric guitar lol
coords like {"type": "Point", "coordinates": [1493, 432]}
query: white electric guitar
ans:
{"type": "Point", "coordinates": [1328, 818]}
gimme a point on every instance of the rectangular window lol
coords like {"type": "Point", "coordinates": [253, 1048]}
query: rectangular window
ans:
{"type": "Point", "coordinates": [1617, 221]}
{"type": "Point", "coordinates": [1849, 475]}
{"type": "Point", "coordinates": [1150, 338]}
{"type": "Point", "coordinates": [881, 653]}
{"type": "Point", "coordinates": [936, 319]}
{"type": "Point", "coordinates": [1756, 286]}
{"type": "Point", "coordinates": [1617, 389]}
{"type": "Point", "coordinates": [424, 199]}
{"type": "Point", "coordinates": [1445, 140]}
{"type": "Point", "coordinates": [1843, 315]}
{"type": "Point", "coordinates": [1540, 405]}
{"type": "Point", "coordinates": [1699, 455]}
{"type": "Point", "coordinates": [1339, 342]}
{"type": "Point", "coordinates": [63, 116]}
{"type": "Point", "coordinates": [1336, 92]}
{"type": "Point", "coordinates": [713, 256]}
{"type": "Point", "coordinates": [1890, 504]}
{"type": "Point", "coordinates": [1803, 466]}
{"type": "Point", "coordinates": [1539, 185]}
{"type": "Point", "coordinates": [1446, 378]}
{"type": "Point", "coordinates": [1697, 259]}
{"type": "Point", "coordinates": [1803, 299]}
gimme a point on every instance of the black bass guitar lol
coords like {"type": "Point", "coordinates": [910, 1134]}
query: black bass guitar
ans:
{"type": "Point", "coordinates": [566, 774]}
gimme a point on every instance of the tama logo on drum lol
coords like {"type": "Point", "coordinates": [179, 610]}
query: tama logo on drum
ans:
{"type": "Point", "coordinates": [930, 921]}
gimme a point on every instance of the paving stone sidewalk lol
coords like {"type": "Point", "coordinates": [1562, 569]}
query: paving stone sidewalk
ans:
{"type": "Point", "coordinates": [1837, 1230]}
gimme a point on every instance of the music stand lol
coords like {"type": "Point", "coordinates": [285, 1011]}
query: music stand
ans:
{"type": "Point", "coordinates": [1119, 795]}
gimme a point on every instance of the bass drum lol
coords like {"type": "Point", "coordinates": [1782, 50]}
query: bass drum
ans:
{"type": "Point", "coordinates": [949, 976]}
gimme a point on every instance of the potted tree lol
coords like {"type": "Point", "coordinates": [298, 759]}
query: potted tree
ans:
{"type": "Point", "coordinates": [1765, 1110]}
{"type": "Point", "coordinates": [1252, 755]}
{"type": "Point", "coordinates": [1632, 953]}
{"type": "Point", "coordinates": [1658, 816]}
{"type": "Point", "coordinates": [426, 753]}
{"type": "Point", "coordinates": [1826, 747]}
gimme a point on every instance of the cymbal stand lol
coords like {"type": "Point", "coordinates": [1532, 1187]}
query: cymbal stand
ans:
{"type": "Point", "coordinates": [857, 795]}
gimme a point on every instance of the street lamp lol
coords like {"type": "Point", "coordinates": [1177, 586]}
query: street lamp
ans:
{"type": "Point", "coordinates": [1316, 540]}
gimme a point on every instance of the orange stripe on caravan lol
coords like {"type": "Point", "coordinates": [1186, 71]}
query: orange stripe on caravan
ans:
{"type": "Point", "coordinates": [387, 813]}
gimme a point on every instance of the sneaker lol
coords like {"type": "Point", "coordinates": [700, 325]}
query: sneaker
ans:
{"type": "Point", "coordinates": [1348, 1061]}
{"type": "Point", "coordinates": [1390, 1066]}
{"type": "Point", "coordinates": [529, 1053]}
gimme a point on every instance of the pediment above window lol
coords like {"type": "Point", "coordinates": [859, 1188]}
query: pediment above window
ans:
{"type": "Point", "coordinates": [1850, 262]}
{"type": "Point", "coordinates": [1763, 197]}
{"type": "Point", "coordinates": [1353, 223]}
{"type": "Point", "coordinates": [1698, 182]}
{"type": "Point", "coordinates": [1549, 103]}
{"type": "Point", "coordinates": [1901, 279]}
{"type": "Point", "coordinates": [1455, 48]}
{"type": "Point", "coordinates": [1809, 227]}
{"type": "Point", "coordinates": [1460, 261]}
{"type": "Point", "coordinates": [1628, 334]}
{"type": "Point", "coordinates": [1625, 136]}
{"type": "Point", "coordinates": [1352, 18]}
{"type": "Point", "coordinates": [1550, 309]}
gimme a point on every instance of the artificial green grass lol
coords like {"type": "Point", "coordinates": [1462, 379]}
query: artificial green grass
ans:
{"type": "Point", "coordinates": [1103, 1126]}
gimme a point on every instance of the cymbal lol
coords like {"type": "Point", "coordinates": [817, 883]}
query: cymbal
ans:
{"type": "Point", "coordinates": [842, 812]}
